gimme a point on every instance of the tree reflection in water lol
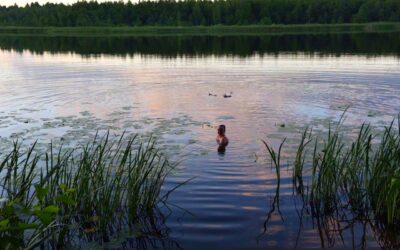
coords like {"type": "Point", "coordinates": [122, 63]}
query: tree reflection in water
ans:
{"type": "Point", "coordinates": [369, 44]}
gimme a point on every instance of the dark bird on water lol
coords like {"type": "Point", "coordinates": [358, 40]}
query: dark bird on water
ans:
{"type": "Point", "coordinates": [228, 95]}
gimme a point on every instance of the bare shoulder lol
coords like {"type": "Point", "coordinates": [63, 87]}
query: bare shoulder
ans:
{"type": "Point", "coordinates": [226, 140]}
{"type": "Point", "coordinates": [222, 140]}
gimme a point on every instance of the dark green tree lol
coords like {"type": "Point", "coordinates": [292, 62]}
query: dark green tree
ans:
{"type": "Point", "coordinates": [201, 12]}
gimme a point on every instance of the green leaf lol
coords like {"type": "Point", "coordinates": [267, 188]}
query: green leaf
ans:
{"type": "Point", "coordinates": [63, 186]}
{"type": "Point", "coordinates": [64, 198]}
{"type": "Point", "coordinates": [45, 218]}
{"type": "Point", "coordinates": [9, 242]}
{"type": "Point", "coordinates": [26, 211]}
{"type": "Point", "coordinates": [51, 209]}
{"type": "Point", "coordinates": [41, 192]}
{"type": "Point", "coordinates": [395, 182]}
{"type": "Point", "coordinates": [8, 210]}
{"type": "Point", "coordinates": [27, 225]}
{"type": "Point", "coordinates": [36, 207]}
{"type": "Point", "coordinates": [4, 223]}
{"type": "Point", "coordinates": [94, 218]}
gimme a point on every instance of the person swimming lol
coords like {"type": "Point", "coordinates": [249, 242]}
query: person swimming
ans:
{"type": "Point", "coordinates": [221, 139]}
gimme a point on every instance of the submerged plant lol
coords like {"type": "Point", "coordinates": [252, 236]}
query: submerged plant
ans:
{"type": "Point", "coordinates": [89, 194]}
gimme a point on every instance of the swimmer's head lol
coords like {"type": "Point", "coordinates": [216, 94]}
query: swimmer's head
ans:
{"type": "Point", "coordinates": [221, 130]}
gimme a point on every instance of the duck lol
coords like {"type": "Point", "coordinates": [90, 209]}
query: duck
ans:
{"type": "Point", "coordinates": [228, 95]}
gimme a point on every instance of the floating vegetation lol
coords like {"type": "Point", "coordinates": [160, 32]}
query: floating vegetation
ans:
{"type": "Point", "coordinates": [179, 131]}
{"type": "Point", "coordinates": [24, 120]}
{"type": "Point", "coordinates": [137, 126]}
{"type": "Point", "coordinates": [78, 129]}
{"type": "Point", "coordinates": [343, 107]}
{"type": "Point", "coordinates": [225, 117]}
{"type": "Point", "coordinates": [342, 182]}
{"type": "Point", "coordinates": [128, 107]}
{"type": "Point", "coordinates": [208, 125]}
{"type": "Point", "coordinates": [372, 113]}
{"type": "Point", "coordinates": [86, 113]}
{"type": "Point", "coordinates": [88, 195]}
{"type": "Point", "coordinates": [192, 141]}
{"type": "Point", "coordinates": [29, 110]}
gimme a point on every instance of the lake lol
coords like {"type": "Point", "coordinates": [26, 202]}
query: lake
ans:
{"type": "Point", "coordinates": [64, 89]}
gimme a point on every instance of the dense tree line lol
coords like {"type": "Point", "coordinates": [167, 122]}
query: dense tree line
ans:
{"type": "Point", "coordinates": [201, 12]}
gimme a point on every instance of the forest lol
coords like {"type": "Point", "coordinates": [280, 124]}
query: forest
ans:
{"type": "Point", "coordinates": [201, 12]}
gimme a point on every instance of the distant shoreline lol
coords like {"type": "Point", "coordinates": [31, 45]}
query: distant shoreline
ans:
{"type": "Point", "coordinates": [219, 30]}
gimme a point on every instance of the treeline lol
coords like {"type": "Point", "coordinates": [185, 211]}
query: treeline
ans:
{"type": "Point", "coordinates": [201, 12]}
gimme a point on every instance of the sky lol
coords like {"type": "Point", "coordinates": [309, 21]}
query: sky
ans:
{"type": "Point", "coordinates": [24, 2]}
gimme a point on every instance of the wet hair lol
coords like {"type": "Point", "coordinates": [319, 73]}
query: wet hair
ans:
{"type": "Point", "coordinates": [222, 128]}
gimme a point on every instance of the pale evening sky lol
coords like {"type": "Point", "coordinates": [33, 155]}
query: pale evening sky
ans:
{"type": "Point", "coordinates": [24, 2]}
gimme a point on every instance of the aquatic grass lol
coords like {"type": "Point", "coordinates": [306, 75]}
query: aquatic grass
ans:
{"type": "Point", "coordinates": [276, 162]}
{"type": "Point", "coordinates": [351, 180]}
{"type": "Point", "coordinates": [299, 161]}
{"type": "Point", "coordinates": [88, 194]}
{"type": "Point", "coordinates": [385, 173]}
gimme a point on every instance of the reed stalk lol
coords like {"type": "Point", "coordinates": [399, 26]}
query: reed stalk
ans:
{"type": "Point", "coordinates": [359, 178]}
{"type": "Point", "coordinates": [74, 197]}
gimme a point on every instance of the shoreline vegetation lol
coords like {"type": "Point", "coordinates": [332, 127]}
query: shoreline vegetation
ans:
{"type": "Point", "coordinates": [217, 30]}
{"type": "Point", "coordinates": [200, 13]}
{"type": "Point", "coordinates": [341, 182]}
{"type": "Point", "coordinates": [201, 17]}
{"type": "Point", "coordinates": [105, 193]}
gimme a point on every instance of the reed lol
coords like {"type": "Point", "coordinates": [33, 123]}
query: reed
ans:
{"type": "Point", "coordinates": [299, 161]}
{"type": "Point", "coordinates": [359, 177]}
{"type": "Point", "coordinates": [74, 197]}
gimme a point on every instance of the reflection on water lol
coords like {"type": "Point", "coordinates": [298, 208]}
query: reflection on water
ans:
{"type": "Point", "coordinates": [374, 44]}
{"type": "Point", "coordinates": [67, 95]}
{"type": "Point", "coordinates": [221, 149]}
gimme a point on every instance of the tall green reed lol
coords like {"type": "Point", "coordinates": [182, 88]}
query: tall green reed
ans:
{"type": "Point", "coordinates": [87, 194]}
{"type": "Point", "coordinates": [360, 177]}
{"type": "Point", "coordinates": [276, 162]}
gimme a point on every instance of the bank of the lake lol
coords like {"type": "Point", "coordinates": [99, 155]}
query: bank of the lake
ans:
{"type": "Point", "coordinates": [203, 30]}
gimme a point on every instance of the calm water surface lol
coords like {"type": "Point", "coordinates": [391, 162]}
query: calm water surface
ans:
{"type": "Point", "coordinates": [61, 93]}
